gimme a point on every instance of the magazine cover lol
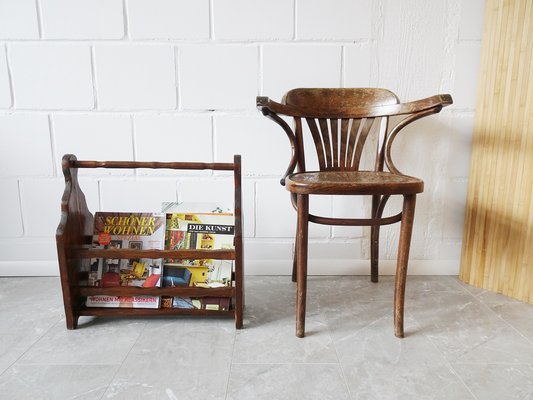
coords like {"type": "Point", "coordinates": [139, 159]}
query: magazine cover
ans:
{"type": "Point", "coordinates": [199, 226]}
{"type": "Point", "coordinates": [126, 231]}
{"type": "Point", "coordinates": [208, 231]}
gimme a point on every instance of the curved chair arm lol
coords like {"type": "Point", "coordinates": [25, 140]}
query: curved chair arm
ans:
{"type": "Point", "coordinates": [438, 101]}
{"type": "Point", "coordinates": [419, 109]}
{"type": "Point", "coordinates": [263, 105]}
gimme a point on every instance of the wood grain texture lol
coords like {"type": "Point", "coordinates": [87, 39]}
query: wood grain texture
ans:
{"type": "Point", "coordinates": [497, 249]}
{"type": "Point", "coordinates": [74, 233]}
{"type": "Point", "coordinates": [363, 112]}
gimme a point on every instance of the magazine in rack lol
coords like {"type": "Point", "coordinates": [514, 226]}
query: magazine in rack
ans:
{"type": "Point", "coordinates": [119, 230]}
{"type": "Point", "coordinates": [198, 226]}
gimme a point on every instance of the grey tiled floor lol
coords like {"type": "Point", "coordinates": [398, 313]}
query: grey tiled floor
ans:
{"type": "Point", "coordinates": [461, 343]}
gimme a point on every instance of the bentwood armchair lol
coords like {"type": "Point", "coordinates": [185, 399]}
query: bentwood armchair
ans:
{"type": "Point", "coordinates": [340, 122]}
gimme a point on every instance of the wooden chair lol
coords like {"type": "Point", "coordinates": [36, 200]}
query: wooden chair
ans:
{"type": "Point", "coordinates": [340, 122]}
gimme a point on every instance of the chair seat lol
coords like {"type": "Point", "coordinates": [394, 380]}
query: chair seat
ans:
{"type": "Point", "coordinates": [352, 182]}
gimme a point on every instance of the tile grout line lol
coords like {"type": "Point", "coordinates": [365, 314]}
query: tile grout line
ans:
{"type": "Point", "coordinates": [446, 361]}
{"type": "Point", "coordinates": [32, 345]}
{"type": "Point", "coordinates": [343, 374]}
{"type": "Point", "coordinates": [230, 365]}
{"type": "Point", "coordinates": [124, 359]}
{"type": "Point", "coordinates": [484, 305]}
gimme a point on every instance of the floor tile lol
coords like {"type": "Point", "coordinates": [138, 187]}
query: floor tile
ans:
{"type": "Point", "coordinates": [286, 382]}
{"type": "Point", "coordinates": [56, 382]}
{"type": "Point", "coordinates": [497, 382]}
{"type": "Point", "coordinates": [150, 377]}
{"type": "Point", "coordinates": [465, 330]}
{"type": "Point", "coordinates": [461, 343]}
{"type": "Point", "coordinates": [276, 342]}
{"type": "Point", "coordinates": [103, 342]}
{"type": "Point", "coordinates": [519, 315]}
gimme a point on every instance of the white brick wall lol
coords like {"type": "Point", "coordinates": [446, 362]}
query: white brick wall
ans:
{"type": "Point", "coordinates": [254, 20]}
{"type": "Point", "coordinates": [339, 19]}
{"type": "Point", "coordinates": [218, 77]}
{"type": "Point", "coordinates": [168, 19]}
{"type": "Point", "coordinates": [177, 79]}
{"type": "Point", "coordinates": [5, 89]}
{"type": "Point", "coordinates": [18, 19]}
{"type": "Point", "coordinates": [51, 76]}
{"type": "Point", "coordinates": [135, 77]}
{"type": "Point", "coordinates": [82, 19]}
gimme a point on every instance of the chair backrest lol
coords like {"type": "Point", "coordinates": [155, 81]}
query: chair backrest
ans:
{"type": "Point", "coordinates": [339, 142]}
{"type": "Point", "coordinates": [340, 122]}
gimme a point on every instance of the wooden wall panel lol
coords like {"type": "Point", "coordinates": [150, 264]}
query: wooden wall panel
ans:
{"type": "Point", "coordinates": [497, 251]}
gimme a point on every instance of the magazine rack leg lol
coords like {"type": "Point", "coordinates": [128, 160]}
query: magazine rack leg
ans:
{"type": "Point", "coordinates": [239, 281]}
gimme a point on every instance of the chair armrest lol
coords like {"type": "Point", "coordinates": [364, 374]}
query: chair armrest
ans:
{"type": "Point", "coordinates": [438, 101]}
{"type": "Point", "coordinates": [265, 105]}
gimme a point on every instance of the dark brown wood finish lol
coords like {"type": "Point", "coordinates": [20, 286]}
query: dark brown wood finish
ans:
{"type": "Point", "coordinates": [74, 237]}
{"type": "Point", "coordinates": [340, 121]}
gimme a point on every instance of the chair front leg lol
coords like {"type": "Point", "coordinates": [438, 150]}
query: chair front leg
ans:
{"type": "Point", "coordinates": [294, 258]}
{"type": "Point", "coordinates": [301, 262]}
{"type": "Point", "coordinates": [406, 228]}
{"type": "Point", "coordinates": [374, 242]}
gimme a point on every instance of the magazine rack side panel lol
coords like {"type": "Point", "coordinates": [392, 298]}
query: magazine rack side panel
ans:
{"type": "Point", "coordinates": [73, 232]}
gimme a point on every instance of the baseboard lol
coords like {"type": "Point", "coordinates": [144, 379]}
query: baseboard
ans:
{"type": "Point", "coordinates": [271, 267]}
{"type": "Point", "coordinates": [357, 267]}
{"type": "Point", "coordinates": [29, 268]}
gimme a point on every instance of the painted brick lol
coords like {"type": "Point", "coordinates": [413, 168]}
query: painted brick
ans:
{"type": "Point", "coordinates": [41, 204]}
{"type": "Point", "coordinates": [264, 147]}
{"type": "Point", "coordinates": [458, 131]}
{"type": "Point", "coordinates": [451, 251]}
{"type": "Point", "coordinates": [337, 19]}
{"type": "Point", "coordinates": [466, 76]}
{"type": "Point", "coordinates": [222, 191]}
{"type": "Point", "coordinates": [5, 87]}
{"type": "Point", "coordinates": [168, 19]}
{"type": "Point", "coordinates": [287, 67]}
{"type": "Point", "coordinates": [172, 138]}
{"type": "Point", "coordinates": [263, 250]}
{"type": "Point", "coordinates": [18, 19]}
{"type": "Point", "coordinates": [253, 20]}
{"type": "Point", "coordinates": [93, 137]}
{"type": "Point", "coordinates": [16, 249]}
{"type": "Point", "coordinates": [335, 251]}
{"type": "Point", "coordinates": [349, 207]}
{"type": "Point", "coordinates": [30, 133]}
{"type": "Point", "coordinates": [361, 66]}
{"type": "Point", "coordinates": [82, 19]}
{"type": "Point", "coordinates": [414, 30]}
{"type": "Point", "coordinates": [471, 22]}
{"type": "Point", "coordinates": [275, 216]}
{"type": "Point", "coordinates": [136, 195]}
{"type": "Point", "coordinates": [218, 77]}
{"type": "Point", "coordinates": [51, 76]}
{"type": "Point", "coordinates": [135, 77]}
{"type": "Point", "coordinates": [10, 212]}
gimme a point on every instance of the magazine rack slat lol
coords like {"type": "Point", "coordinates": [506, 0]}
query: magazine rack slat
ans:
{"type": "Point", "coordinates": [74, 237]}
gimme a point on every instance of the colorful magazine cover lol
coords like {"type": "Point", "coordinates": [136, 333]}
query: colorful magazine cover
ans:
{"type": "Point", "coordinates": [118, 230]}
{"type": "Point", "coordinates": [198, 226]}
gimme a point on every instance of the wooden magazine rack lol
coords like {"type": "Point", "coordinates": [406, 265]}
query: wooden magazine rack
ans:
{"type": "Point", "coordinates": [74, 242]}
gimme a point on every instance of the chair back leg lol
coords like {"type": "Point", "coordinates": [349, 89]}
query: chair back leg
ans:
{"type": "Point", "coordinates": [294, 258]}
{"type": "Point", "coordinates": [301, 261]}
{"type": "Point", "coordinates": [374, 242]}
{"type": "Point", "coordinates": [406, 228]}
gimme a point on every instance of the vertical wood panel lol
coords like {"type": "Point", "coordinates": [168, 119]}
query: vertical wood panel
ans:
{"type": "Point", "coordinates": [497, 249]}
